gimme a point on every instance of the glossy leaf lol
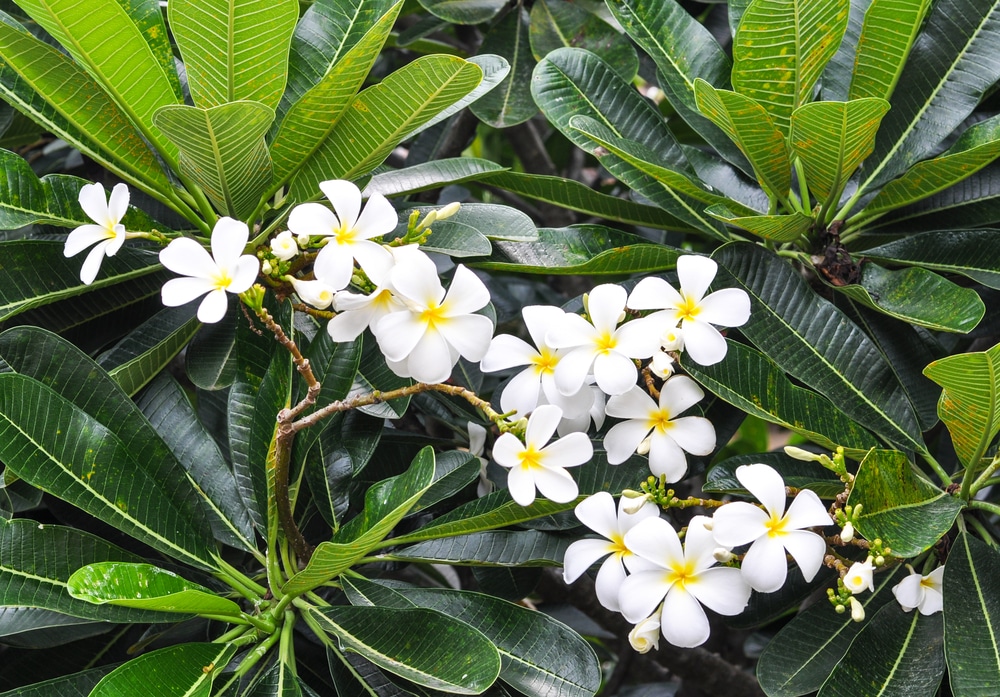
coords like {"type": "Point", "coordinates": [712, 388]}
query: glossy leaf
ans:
{"type": "Point", "coordinates": [234, 50]}
{"type": "Point", "coordinates": [430, 175]}
{"type": "Point", "coordinates": [222, 149]}
{"type": "Point", "coordinates": [93, 471]}
{"type": "Point", "coordinates": [970, 403]}
{"type": "Point", "coordinates": [887, 35]}
{"type": "Point", "coordinates": [581, 250]}
{"type": "Point", "coordinates": [747, 379]}
{"type": "Point", "coordinates": [175, 670]}
{"type": "Point", "coordinates": [493, 548]}
{"type": "Point", "coordinates": [374, 374]}
{"type": "Point", "coordinates": [278, 681]}
{"type": "Point", "coordinates": [832, 139]}
{"type": "Point", "coordinates": [149, 18]}
{"type": "Point", "coordinates": [780, 228]}
{"type": "Point", "coordinates": [918, 296]}
{"type": "Point", "coordinates": [971, 253]}
{"type": "Point", "coordinates": [138, 91]}
{"type": "Point", "coordinates": [38, 561]}
{"type": "Point", "coordinates": [148, 348]}
{"type": "Point", "coordinates": [170, 412]}
{"type": "Point", "coordinates": [483, 221]}
{"type": "Point", "coordinates": [453, 471]}
{"type": "Point", "coordinates": [210, 359]}
{"type": "Point", "coordinates": [800, 658]}
{"type": "Point", "coordinates": [510, 103]}
{"type": "Point", "coordinates": [815, 343]}
{"type": "Point", "coordinates": [973, 200]}
{"type": "Point", "coordinates": [835, 81]}
{"type": "Point", "coordinates": [971, 617]}
{"type": "Point", "coordinates": [453, 656]}
{"type": "Point", "coordinates": [780, 49]}
{"type": "Point", "coordinates": [907, 512]}
{"type": "Point", "coordinates": [145, 587]}
{"type": "Point", "coordinates": [26, 199]}
{"type": "Point", "coordinates": [902, 653]}
{"type": "Point", "coordinates": [558, 23]}
{"type": "Point", "coordinates": [22, 288]}
{"type": "Point", "coordinates": [464, 11]}
{"type": "Point", "coordinates": [382, 115]}
{"type": "Point", "coordinates": [976, 148]}
{"type": "Point", "coordinates": [721, 478]}
{"type": "Point", "coordinates": [386, 503]}
{"type": "Point", "coordinates": [581, 198]}
{"type": "Point", "coordinates": [953, 64]}
{"type": "Point", "coordinates": [495, 70]}
{"type": "Point", "coordinates": [73, 685]}
{"type": "Point", "coordinates": [313, 116]}
{"type": "Point", "coordinates": [754, 131]}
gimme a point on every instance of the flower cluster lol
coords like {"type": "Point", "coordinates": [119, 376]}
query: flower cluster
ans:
{"type": "Point", "coordinates": [661, 585]}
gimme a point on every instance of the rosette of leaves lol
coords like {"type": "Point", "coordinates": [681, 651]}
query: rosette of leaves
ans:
{"type": "Point", "coordinates": [838, 164]}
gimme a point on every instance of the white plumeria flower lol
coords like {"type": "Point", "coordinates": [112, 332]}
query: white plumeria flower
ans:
{"type": "Point", "coordinates": [602, 344]}
{"type": "Point", "coordinates": [662, 365]}
{"type": "Point", "coordinates": [534, 464]}
{"type": "Point", "coordinates": [645, 636]}
{"type": "Point", "coordinates": [283, 245]}
{"type": "Point", "coordinates": [315, 293]}
{"type": "Point", "coordinates": [536, 384]}
{"type": "Point", "coordinates": [921, 592]}
{"type": "Point", "coordinates": [772, 530]}
{"type": "Point", "coordinates": [425, 340]}
{"type": "Point", "coordinates": [597, 512]}
{"type": "Point", "coordinates": [107, 234]}
{"type": "Point", "coordinates": [696, 312]}
{"type": "Point", "coordinates": [595, 397]}
{"type": "Point", "coordinates": [685, 578]}
{"type": "Point", "coordinates": [672, 339]}
{"type": "Point", "coordinates": [226, 270]}
{"type": "Point", "coordinates": [349, 231]}
{"type": "Point", "coordinates": [655, 426]}
{"type": "Point", "coordinates": [859, 577]}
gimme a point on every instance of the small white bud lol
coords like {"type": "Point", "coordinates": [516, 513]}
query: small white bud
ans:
{"type": "Point", "coordinates": [644, 446]}
{"type": "Point", "coordinates": [632, 505]}
{"type": "Point", "coordinates": [662, 365]}
{"type": "Point", "coordinates": [303, 240]}
{"type": "Point", "coordinates": [645, 636]}
{"type": "Point", "coordinates": [265, 268]}
{"type": "Point", "coordinates": [428, 220]}
{"type": "Point", "coordinates": [857, 610]}
{"type": "Point", "coordinates": [283, 246]}
{"type": "Point", "coordinates": [672, 340]}
{"type": "Point", "coordinates": [859, 577]}
{"type": "Point", "coordinates": [449, 210]}
{"type": "Point", "coordinates": [723, 555]}
{"type": "Point", "coordinates": [847, 534]}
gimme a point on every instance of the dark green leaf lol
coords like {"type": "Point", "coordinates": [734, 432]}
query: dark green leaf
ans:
{"type": "Point", "coordinates": [465, 233]}
{"type": "Point", "coordinates": [971, 617]}
{"type": "Point", "coordinates": [464, 11]}
{"type": "Point", "coordinates": [453, 471]}
{"type": "Point", "coordinates": [430, 175]}
{"type": "Point", "coordinates": [510, 102]}
{"type": "Point", "coordinates": [906, 511]}
{"type": "Point", "coordinates": [972, 253]}
{"type": "Point", "coordinates": [26, 199]}
{"type": "Point", "coordinates": [558, 23]}
{"type": "Point", "coordinates": [721, 479]}
{"type": "Point", "coordinates": [185, 669]}
{"type": "Point", "coordinates": [210, 360]}
{"type": "Point", "coordinates": [494, 548]}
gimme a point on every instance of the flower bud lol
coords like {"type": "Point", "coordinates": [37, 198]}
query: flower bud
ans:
{"type": "Point", "coordinates": [662, 365]}
{"type": "Point", "coordinates": [857, 610]}
{"type": "Point", "coordinates": [672, 340]}
{"type": "Point", "coordinates": [859, 577]}
{"type": "Point", "coordinates": [800, 454]}
{"type": "Point", "coordinates": [841, 609]}
{"type": "Point", "coordinates": [283, 246]}
{"type": "Point", "coordinates": [449, 210]}
{"type": "Point", "coordinates": [633, 504]}
{"type": "Point", "coordinates": [644, 446]}
{"type": "Point", "coordinates": [303, 240]}
{"type": "Point", "coordinates": [428, 220]}
{"type": "Point", "coordinates": [847, 534]}
{"type": "Point", "coordinates": [645, 636]}
{"type": "Point", "coordinates": [265, 268]}
{"type": "Point", "coordinates": [723, 555]}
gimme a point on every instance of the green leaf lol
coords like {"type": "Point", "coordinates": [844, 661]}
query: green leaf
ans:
{"type": "Point", "coordinates": [117, 56]}
{"type": "Point", "coordinates": [383, 115]}
{"type": "Point", "coordinates": [754, 131]}
{"type": "Point", "coordinates": [683, 50]}
{"type": "Point", "coordinates": [492, 548]}
{"type": "Point", "coordinates": [234, 50]}
{"type": "Point", "coordinates": [311, 118]}
{"type": "Point", "coordinates": [780, 228]}
{"type": "Point", "coordinates": [93, 470]}
{"type": "Point", "coordinates": [468, 232]}
{"type": "Point", "coordinates": [22, 288]}
{"type": "Point", "coordinates": [464, 11]}
{"type": "Point", "coordinates": [374, 374]}
{"type": "Point", "coordinates": [210, 359]}
{"type": "Point", "coordinates": [279, 681]}
{"type": "Point", "coordinates": [800, 658]}
{"type": "Point", "coordinates": [906, 511]}
{"type": "Point", "coordinates": [26, 199]}
{"type": "Point", "coordinates": [816, 343]}
{"type": "Point", "coordinates": [145, 587]}
{"type": "Point", "coordinates": [185, 669]}
{"type": "Point", "coordinates": [901, 653]}
{"type": "Point", "coordinates": [430, 175]}
{"type": "Point", "coordinates": [942, 83]}
{"type": "Point", "coordinates": [887, 35]}
{"type": "Point", "coordinates": [747, 379]}
{"type": "Point", "coordinates": [451, 656]}
{"type": "Point", "coordinates": [970, 403]}
{"type": "Point", "coordinates": [38, 561]}
{"type": "Point", "coordinates": [510, 103]}
{"type": "Point", "coordinates": [558, 23]}
{"type": "Point", "coordinates": [539, 654]}
{"type": "Point", "coordinates": [917, 296]}
{"type": "Point", "coordinates": [972, 200]}
{"type": "Point", "coordinates": [832, 139]}
{"type": "Point", "coordinates": [74, 685]}
{"type": "Point", "coordinates": [147, 349]}
{"type": "Point", "coordinates": [495, 69]}
{"type": "Point", "coordinates": [386, 503]}
{"type": "Point", "coordinates": [590, 250]}
{"type": "Point", "coordinates": [972, 617]}
{"type": "Point", "coordinates": [971, 253]}
{"type": "Point", "coordinates": [976, 148]}
{"type": "Point", "coordinates": [575, 196]}
{"type": "Point", "coordinates": [453, 471]}
{"type": "Point", "coordinates": [780, 49]}
{"type": "Point", "coordinates": [149, 19]}
{"type": "Point", "coordinates": [170, 412]}
{"type": "Point", "coordinates": [836, 78]}
{"type": "Point", "coordinates": [222, 149]}
{"type": "Point", "coordinates": [721, 479]}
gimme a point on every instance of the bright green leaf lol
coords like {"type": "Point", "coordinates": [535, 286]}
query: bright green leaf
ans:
{"type": "Point", "coordinates": [430, 175]}
{"type": "Point", "coordinates": [780, 228]}
{"type": "Point", "coordinates": [887, 35]}
{"type": "Point", "coordinates": [185, 669]}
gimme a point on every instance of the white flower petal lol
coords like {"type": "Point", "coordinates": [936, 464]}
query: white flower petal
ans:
{"type": "Point", "coordinates": [213, 307]}
{"type": "Point", "coordinates": [909, 592]}
{"type": "Point", "coordinates": [700, 544]}
{"type": "Point", "coordinates": [679, 394]}
{"type": "Point", "coordinates": [92, 264]}
{"type": "Point", "coordinates": [605, 304]}
{"type": "Point", "coordinates": [583, 554]}
{"type": "Point", "coordinates": [346, 200]}
{"type": "Point", "coordinates": [695, 434]}
{"type": "Point", "coordinates": [347, 326]}
{"type": "Point", "coordinates": [180, 291]}
{"type": "Point", "coordinates": [807, 549]}
{"type": "Point", "coordinates": [764, 567]}
{"type": "Point", "coordinates": [467, 293]}
{"type": "Point", "coordinates": [117, 202]}
{"type": "Point", "coordinates": [729, 307]}
{"type": "Point", "coordinates": [521, 485]}
{"type": "Point", "coordinates": [696, 274]}
{"type": "Point", "coordinates": [640, 338]}
{"type": "Point", "coordinates": [506, 450]}
{"type": "Point", "coordinates": [721, 589]}
{"type": "Point", "coordinates": [115, 243]}
{"type": "Point", "coordinates": [609, 583]}
{"type": "Point", "coordinates": [506, 351]}
{"type": "Point", "coordinates": [398, 333]}
{"type": "Point", "coordinates": [94, 202]}
{"type": "Point", "coordinates": [570, 331]}
{"type": "Point", "coordinates": [703, 342]}
{"type": "Point", "coordinates": [641, 592]}
{"type": "Point", "coordinates": [598, 513]}
{"type": "Point", "coordinates": [334, 266]}
{"type": "Point", "coordinates": [185, 256]}
{"type": "Point", "coordinates": [244, 273]}
{"type": "Point", "coordinates": [556, 484]}
{"type": "Point", "coordinates": [634, 404]}
{"type": "Point", "coordinates": [521, 393]}
{"type": "Point", "coordinates": [614, 372]}
{"type": "Point", "coordinates": [666, 457]}
{"type": "Point", "coordinates": [807, 511]}
{"type": "Point", "coordinates": [572, 370]}
{"type": "Point", "coordinates": [655, 540]}
{"type": "Point", "coordinates": [82, 237]}
{"type": "Point", "coordinates": [684, 622]}
{"type": "Point", "coordinates": [767, 486]}
{"type": "Point", "coordinates": [468, 334]}
{"type": "Point", "coordinates": [569, 451]}
{"type": "Point", "coordinates": [373, 258]}
{"type": "Point", "coordinates": [622, 440]}
{"type": "Point", "coordinates": [229, 238]}
{"type": "Point", "coordinates": [933, 601]}
{"type": "Point", "coordinates": [653, 293]}
{"type": "Point", "coordinates": [538, 319]}
{"type": "Point", "coordinates": [378, 218]}
{"type": "Point", "coordinates": [430, 360]}
{"type": "Point", "coordinates": [312, 219]}
{"type": "Point", "coordinates": [542, 425]}
{"type": "Point", "coordinates": [738, 523]}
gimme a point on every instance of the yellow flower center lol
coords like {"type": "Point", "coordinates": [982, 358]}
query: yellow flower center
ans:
{"type": "Point", "coordinates": [344, 234]}
{"type": "Point", "coordinates": [660, 420]}
{"type": "Point", "coordinates": [433, 314]}
{"type": "Point", "coordinates": [530, 458]}
{"type": "Point", "coordinates": [776, 526]}
{"type": "Point", "coordinates": [222, 280]}
{"type": "Point", "coordinates": [681, 573]}
{"type": "Point", "coordinates": [688, 308]}
{"type": "Point", "coordinates": [545, 361]}
{"type": "Point", "coordinates": [606, 342]}
{"type": "Point", "coordinates": [618, 546]}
